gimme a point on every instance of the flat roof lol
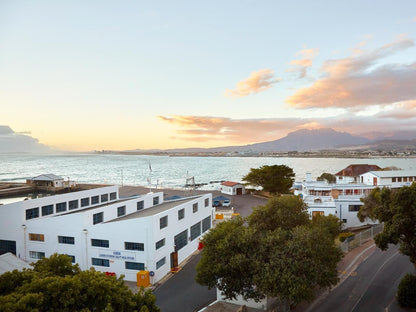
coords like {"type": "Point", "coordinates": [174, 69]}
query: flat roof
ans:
{"type": "Point", "coordinates": [394, 173]}
{"type": "Point", "coordinates": [155, 209]}
{"type": "Point", "coordinates": [80, 209]}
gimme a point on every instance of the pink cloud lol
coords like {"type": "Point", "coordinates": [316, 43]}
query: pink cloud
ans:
{"type": "Point", "coordinates": [258, 81]}
{"type": "Point", "coordinates": [356, 82]}
{"type": "Point", "coordinates": [301, 65]}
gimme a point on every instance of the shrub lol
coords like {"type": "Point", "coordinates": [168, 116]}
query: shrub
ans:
{"type": "Point", "coordinates": [344, 236]}
{"type": "Point", "coordinates": [406, 294]}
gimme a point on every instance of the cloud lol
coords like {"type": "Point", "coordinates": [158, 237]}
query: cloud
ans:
{"type": "Point", "coordinates": [258, 81]}
{"type": "Point", "coordinates": [401, 110]}
{"type": "Point", "coordinates": [13, 142]}
{"type": "Point", "coordinates": [301, 65]}
{"type": "Point", "coordinates": [355, 82]}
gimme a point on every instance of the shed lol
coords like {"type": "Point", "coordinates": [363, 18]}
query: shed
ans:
{"type": "Point", "coordinates": [232, 188]}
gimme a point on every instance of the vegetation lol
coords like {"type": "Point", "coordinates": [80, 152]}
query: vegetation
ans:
{"type": "Point", "coordinates": [54, 284]}
{"type": "Point", "coordinates": [328, 177]}
{"type": "Point", "coordinates": [273, 179]}
{"type": "Point", "coordinates": [344, 236]}
{"type": "Point", "coordinates": [397, 209]}
{"type": "Point", "coordinates": [406, 294]}
{"type": "Point", "coordinates": [277, 252]}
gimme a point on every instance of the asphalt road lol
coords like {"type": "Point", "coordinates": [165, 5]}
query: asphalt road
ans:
{"type": "Point", "coordinates": [182, 293]}
{"type": "Point", "coordinates": [372, 287]}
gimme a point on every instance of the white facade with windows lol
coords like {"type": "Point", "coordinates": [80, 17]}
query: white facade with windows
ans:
{"type": "Point", "coordinates": [98, 229]}
{"type": "Point", "coordinates": [390, 178]}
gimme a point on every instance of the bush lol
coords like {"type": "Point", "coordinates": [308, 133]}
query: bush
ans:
{"type": "Point", "coordinates": [344, 236]}
{"type": "Point", "coordinates": [406, 294]}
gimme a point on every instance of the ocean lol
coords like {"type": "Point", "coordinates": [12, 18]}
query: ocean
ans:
{"type": "Point", "coordinates": [169, 172]}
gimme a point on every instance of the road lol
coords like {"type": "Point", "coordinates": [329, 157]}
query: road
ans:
{"type": "Point", "coordinates": [372, 286]}
{"type": "Point", "coordinates": [182, 293]}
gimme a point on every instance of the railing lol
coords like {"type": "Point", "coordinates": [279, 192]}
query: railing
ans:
{"type": "Point", "coordinates": [360, 238]}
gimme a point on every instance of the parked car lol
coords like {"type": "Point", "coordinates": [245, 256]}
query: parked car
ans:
{"type": "Point", "coordinates": [226, 203]}
{"type": "Point", "coordinates": [216, 203]}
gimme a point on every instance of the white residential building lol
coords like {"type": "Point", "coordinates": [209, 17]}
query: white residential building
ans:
{"type": "Point", "coordinates": [98, 229]}
{"type": "Point", "coordinates": [232, 188]}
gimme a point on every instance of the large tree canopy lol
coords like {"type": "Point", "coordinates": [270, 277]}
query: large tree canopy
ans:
{"type": "Point", "coordinates": [273, 179]}
{"type": "Point", "coordinates": [397, 209]}
{"type": "Point", "coordinates": [328, 177]}
{"type": "Point", "coordinates": [277, 252]}
{"type": "Point", "coordinates": [55, 284]}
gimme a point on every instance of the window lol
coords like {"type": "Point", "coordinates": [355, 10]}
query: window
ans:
{"type": "Point", "coordinates": [405, 179]}
{"type": "Point", "coordinates": [393, 179]}
{"type": "Point", "coordinates": [160, 244]}
{"type": "Point", "coordinates": [61, 207]}
{"type": "Point", "coordinates": [100, 243]}
{"type": "Point", "coordinates": [133, 246]}
{"type": "Point", "coordinates": [181, 214]}
{"type": "Point", "coordinates": [354, 207]}
{"type": "Point", "coordinates": [36, 254]}
{"type": "Point", "coordinates": [344, 220]}
{"type": "Point", "coordinates": [32, 213]}
{"type": "Point", "coordinates": [206, 224]}
{"type": "Point", "coordinates": [97, 217]}
{"type": "Point", "coordinates": [195, 230]}
{"type": "Point", "coordinates": [399, 179]}
{"type": "Point", "coordinates": [134, 266]}
{"type": "Point", "coordinates": [66, 240]}
{"type": "Point", "coordinates": [85, 201]}
{"type": "Point", "coordinates": [206, 202]}
{"type": "Point", "coordinates": [104, 198]}
{"type": "Point", "coordinates": [47, 210]}
{"type": "Point", "coordinates": [95, 200]}
{"type": "Point", "coordinates": [195, 207]}
{"type": "Point", "coordinates": [140, 205]}
{"type": "Point", "coordinates": [160, 263]}
{"type": "Point", "coordinates": [113, 196]}
{"type": "Point", "coordinates": [36, 237]}
{"type": "Point", "coordinates": [72, 258]}
{"type": "Point", "coordinates": [155, 200]}
{"type": "Point", "coordinates": [7, 246]}
{"type": "Point", "coordinates": [163, 222]}
{"type": "Point", "coordinates": [100, 262]}
{"type": "Point", "coordinates": [181, 240]}
{"type": "Point", "coordinates": [121, 211]}
{"type": "Point", "coordinates": [73, 204]}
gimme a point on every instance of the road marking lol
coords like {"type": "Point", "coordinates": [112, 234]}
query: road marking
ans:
{"type": "Point", "coordinates": [372, 279]}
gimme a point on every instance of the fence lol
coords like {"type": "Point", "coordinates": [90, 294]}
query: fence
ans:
{"type": "Point", "coordinates": [360, 238]}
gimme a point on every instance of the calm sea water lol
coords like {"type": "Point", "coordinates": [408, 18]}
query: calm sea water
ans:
{"type": "Point", "coordinates": [169, 171]}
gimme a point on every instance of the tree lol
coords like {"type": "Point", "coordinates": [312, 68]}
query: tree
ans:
{"type": "Point", "coordinates": [273, 179]}
{"type": "Point", "coordinates": [277, 252]}
{"type": "Point", "coordinates": [328, 177]}
{"type": "Point", "coordinates": [397, 209]}
{"type": "Point", "coordinates": [55, 284]}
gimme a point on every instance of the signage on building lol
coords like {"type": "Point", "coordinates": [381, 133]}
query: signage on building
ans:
{"type": "Point", "coordinates": [117, 255]}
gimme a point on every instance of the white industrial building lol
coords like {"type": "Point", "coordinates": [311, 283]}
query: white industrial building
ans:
{"type": "Point", "coordinates": [98, 229]}
{"type": "Point", "coordinates": [344, 199]}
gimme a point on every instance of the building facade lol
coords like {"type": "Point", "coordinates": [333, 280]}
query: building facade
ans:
{"type": "Point", "coordinates": [232, 188]}
{"type": "Point", "coordinates": [98, 229]}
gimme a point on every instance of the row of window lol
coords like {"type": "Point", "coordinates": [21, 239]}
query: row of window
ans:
{"type": "Point", "coordinates": [181, 214]}
{"type": "Point", "coordinates": [72, 204]}
{"type": "Point", "coordinates": [137, 266]}
{"type": "Point", "coordinates": [181, 239]}
{"type": "Point", "coordinates": [403, 179]}
{"type": "Point", "coordinates": [61, 239]}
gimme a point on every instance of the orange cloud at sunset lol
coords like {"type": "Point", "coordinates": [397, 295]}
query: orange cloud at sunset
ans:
{"type": "Point", "coordinates": [258, 81]}
{"type": "Point", "coordinates": [355, 81]}
{"type": "Point", "coordinates": [301, 65]}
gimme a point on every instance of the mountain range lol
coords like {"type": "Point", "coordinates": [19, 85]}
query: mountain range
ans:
{"type": "Point", "coordinates": [306, 140]}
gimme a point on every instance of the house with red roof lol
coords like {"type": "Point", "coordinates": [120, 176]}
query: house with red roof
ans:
{"type": "Point", "coordinates": [232, 188]}
{"type": "Point", "coordinates": [351, 174]}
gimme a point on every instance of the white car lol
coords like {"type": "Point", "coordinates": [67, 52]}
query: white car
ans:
{"type": "Point", "coordinates": [226, 203]}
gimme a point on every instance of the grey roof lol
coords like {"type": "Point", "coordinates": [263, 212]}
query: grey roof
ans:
{"type": "Point", "coordinates": [155, 209]}
{"type": "Point", "coordinates": [394, 173]}
{"type": "Point", "coordinates": [9, 262]}
{"type": "Point", "coordinates": [47, 177]}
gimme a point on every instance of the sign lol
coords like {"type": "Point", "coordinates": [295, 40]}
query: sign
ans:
{"type": "Point", "coordinates": [116, 255]}
{"type": "Point", "coordinates": [151, 273]}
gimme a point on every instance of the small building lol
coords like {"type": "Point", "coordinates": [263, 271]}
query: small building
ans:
{"type": "Point", "coordinates": [232, 188]}
{"type": "Point", "coordinates": [351, 174]}
{"type": "Point", "coordinates": [50, 181]}
{"type": "Point", "coordinates": [9, 262]}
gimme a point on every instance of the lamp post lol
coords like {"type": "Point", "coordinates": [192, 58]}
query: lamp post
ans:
{"type": "Point", "coordinates": [24, 241]}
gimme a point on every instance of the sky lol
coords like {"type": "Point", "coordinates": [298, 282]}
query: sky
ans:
{"type": "Point", "coordinates": [121, 75]}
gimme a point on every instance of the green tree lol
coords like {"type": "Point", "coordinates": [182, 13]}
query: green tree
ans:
{"type": "Point", "coordinates": [328, 177]}
{"type": "Point", "coordinates": [273, 179]}
{"type": "Point", "coordinates": [56, 285]}
{"type": "Point", "coordinates": [277, 252]}
{"type": "Point", "coordinates": [397, 209]}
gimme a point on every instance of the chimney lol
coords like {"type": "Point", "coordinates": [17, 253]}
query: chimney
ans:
{"type": "Point", "coordinates": [308, 177]}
